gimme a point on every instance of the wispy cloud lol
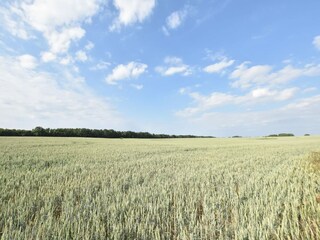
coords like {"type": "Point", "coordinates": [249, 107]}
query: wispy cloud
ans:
{"type": "Point", "coordinates": [89, 46]}
{"type": "Point", "coordinates": [102, 65]}
{"type": "Point", "coordinates": [218, 67]}
{"type": "Point", "coordinates": [175, 20]}
{"type": "Point", "coordinates": [11, 18]}
{"type": "Point", "coordinates": [205, 103]}
{"type": "Point", "coordinates": [245, 76]}
{"type": "Point", "coordinates": [174, 65]}
{"type": "Point", "coordinates": [316, 42]}
{"type": "Point", "coordinates": [261, 122]}
{"type": "Point", "coordinates": [137, 86]}
{"type": "Point", "coordinates": [30, 97]}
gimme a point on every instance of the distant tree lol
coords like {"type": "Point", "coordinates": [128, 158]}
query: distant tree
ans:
{"type": "Point", "coordinates": [307, 134]}
{"type": "Point", "coordinates": [286, 135]}
{"type": "Point", "coordinates": [39, 131]}
{"type": "Point", "coordinates": [84, 132]}
{"type": "Point", "coordinates": [281, 135]}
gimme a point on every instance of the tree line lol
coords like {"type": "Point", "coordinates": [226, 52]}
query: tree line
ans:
{"type": "Point", "coordinates": [281, 135]}
{"type": "Point", "coordinates": [85, 132]}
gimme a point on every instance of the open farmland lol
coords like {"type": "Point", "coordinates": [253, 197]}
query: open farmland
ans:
{"type": "Point", "coordinates": [73, 188]}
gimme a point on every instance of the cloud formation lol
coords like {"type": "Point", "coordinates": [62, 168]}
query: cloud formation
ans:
{"type": "Point", "coordinates": [261, 122]}
{"type": "Point", "coordinates": [175, 20]}
{"type": "Point", "coordinates": [48, 56]}
{"type": "Point", "coordinates": [101, 65]}
{"type": "Point", "coordinates": [28, 61]}
{"type": "Point", "coordinates": [131, 11]}
{"type": "Point", "coordinates": [81, 56]}
{"type": "Point", "coordinates": [217, 99]}
{"type": "Point", "coordinates": [48, 15]}
{"type": "Point", "coordinates": [245, 76]}
{"type": "Point", "coordinates": [128, 71]}
{"type": "Point", "coordinates": [30, 97]}
{"type": "Point", "coordinates": [174, 65]}
{"type": "Point", "coordinates": [59, 42]}
{"type": "Point", "coordinates": [219, 66]}
{"type": "Point", "coordinates": [58, 21]}
{"type": "Point", "coordinates": [11, 18]}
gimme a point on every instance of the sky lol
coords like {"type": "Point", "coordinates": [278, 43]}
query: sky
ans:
{"type": "Point", "coordinates": [203, 67]}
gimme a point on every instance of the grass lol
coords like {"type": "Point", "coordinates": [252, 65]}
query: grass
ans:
{"type": "Point", "coordinates": [315, 160]}
{"type": "Point", "coordinates": [69, 188]}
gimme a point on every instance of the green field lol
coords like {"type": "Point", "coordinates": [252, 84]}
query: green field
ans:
{"type": "Point", "coordinates": [73, 188]}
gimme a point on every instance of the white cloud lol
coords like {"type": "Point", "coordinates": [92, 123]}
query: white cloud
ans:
{"type": "Point", "coordinates": [172, 70]}
{"type": "Point", "coordinates": [48, 15]}
{"type": "Point", "coordinates": [30, 98]}
{"type": "Point", "coordinates": [59, 21]}
{"type": "Point", "coordinates": [271, 95]}
{"type": "Point", "coordinates": [303, 105]}
{"type": "Point", "coordinates": [261, 122]}
{"type": "Point", "coordinates": [100, 66]}
{"type": "Point", "coordinates": [9, 18]}
{"type": "Point", "coordinates": [175, 20]}
{"type": "Point", "coordinates": [204, 103]}
{"type": "Point", "coordinates": [131, 11]}
{"type": "Point", "coordinates": [219, 66]}
{"type": "Point", "coordinates": [66, 60]}
{"type": "Point", "coordinates": [261, 92]}
{"type": "Point", "coordinates": [48, 56]}
{"type": "Point", "coordinates": [310, 89]}
{"type": "Point", "coordinates": [89, 46]}
{"type": "Point", "coordinates": [246, 77]}
{"type": "Point", "coordinates": [81, 56]}
{"type": "Point", "coordinates": [183, 90]}
{"type": "Point", "coordinates": [59, 42]}
{"type": "Point", "coordinates": [131, 70]}
{"type": "Point", "coordinates": [173, 60]}
{"type": "Point", "coordinates": [174, 65]}
{"type": "Point", "coordinates": [217, 99]}
{"type": "Point", "coordinates": [316, 42]}
{"type": "Point", "coordinates": [27, 61]}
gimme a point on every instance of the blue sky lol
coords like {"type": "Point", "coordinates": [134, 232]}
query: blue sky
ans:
{"type": "Point", "coordinates": [200, 67]}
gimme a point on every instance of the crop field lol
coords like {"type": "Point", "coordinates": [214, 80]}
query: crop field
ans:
{"type": "Point", "coordinates": [78, 188]}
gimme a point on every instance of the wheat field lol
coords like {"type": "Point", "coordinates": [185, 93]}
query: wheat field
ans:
{"type": "Point", "coordinates": [78, 188]}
